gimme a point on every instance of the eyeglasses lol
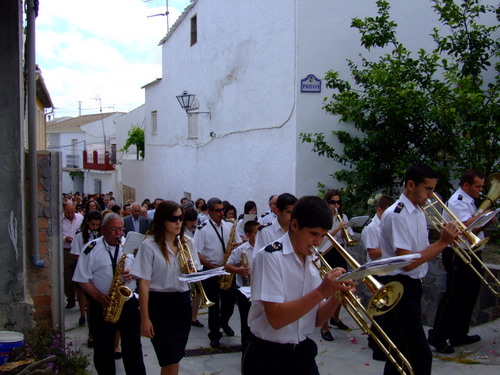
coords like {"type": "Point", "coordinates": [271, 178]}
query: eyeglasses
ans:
{"type": "Point", "coordinates": [331, 201]}
{"type": "Point", "coordinates": [174, 219]}
{"type": "Point", "coordinates": [217, 210]}
{"type": "Point", "coordinates": [114, 229]}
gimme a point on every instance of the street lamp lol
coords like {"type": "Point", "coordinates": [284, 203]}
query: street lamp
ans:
{"type": "Point", "coordinates": [186, 102]}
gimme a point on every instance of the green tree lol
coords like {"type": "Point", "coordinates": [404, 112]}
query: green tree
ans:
{"type": "Point", "coordinates": [434, 107]}
{"type": "Point", "coordinates": [135, 137]}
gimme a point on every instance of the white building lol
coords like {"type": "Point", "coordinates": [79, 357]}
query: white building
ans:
{"type": "Point", "coordinates": [90, 135]}
{"type": "Point", "coordinates": [246, 62]}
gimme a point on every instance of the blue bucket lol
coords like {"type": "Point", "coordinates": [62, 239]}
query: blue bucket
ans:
{"type": "Point", "coordinates": [8, 341]}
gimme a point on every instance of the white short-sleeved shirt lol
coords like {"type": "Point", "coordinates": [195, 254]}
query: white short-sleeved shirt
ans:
{"type": "Point", "coordinates": [404, 226]}
{"type": "Point", "coordinates": [266, 217]}
{"type": "Point", "coordinates": [268, 234]}
{"type": "Point", "coordinates": [77, 245]}
{"type": "Point", "coordinates": [95, 266]}
{"type": "Point", "coordinates": [235, 258]}
{"type": "Point", "coordinates": [279, 277]}
{"type": "Point", "coordinates": [371, 235]}
{"type": "Point", "coordinates": [207, 241]}
{"type": "Point", "coordinates": [69, 228]}
{"type": "Point", "coordinates": [463, 207]}
{"type": "Point", "coordinates": [150, 264]}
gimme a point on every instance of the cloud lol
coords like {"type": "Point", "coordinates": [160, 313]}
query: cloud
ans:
{"type": "Point", "coordinates": [100, 48]}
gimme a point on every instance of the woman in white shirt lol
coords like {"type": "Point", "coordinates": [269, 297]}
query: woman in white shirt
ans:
{"type": "Point", "coordinates": [165, 302]}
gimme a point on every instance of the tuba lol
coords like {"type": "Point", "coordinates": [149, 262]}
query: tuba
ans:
{"type": "Point", "coordinates": [493, 194]}
{"type": "Point", "coordinates": [346, 236]}
{"type": "Point", "coordinates": [118, 292]}
{"type": "Point", "coordinates": [465, 244]}
{"type": "Point", "coordinates": [364, 317]}
{"type": "Point", "coordinates": [225, 281]}
{"type": "Point", "coordinates": [187, 266]}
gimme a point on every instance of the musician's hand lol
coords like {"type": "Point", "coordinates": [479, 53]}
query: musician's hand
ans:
{"type": "Point", "coordinates": [449, 232]}
{"type": "Point", "coordinates": [104, 300]}
{"type": "Point", "coordinates": [330, 285]}
{"type": "Point", "coordinates": [244, 271]}
{"type": "Point", "coordinates": [147, 329]}
{"type": "Point", "coordinates": [127, 276]}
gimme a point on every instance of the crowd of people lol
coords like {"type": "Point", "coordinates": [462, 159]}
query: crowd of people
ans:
{"type": "Point", "coordinates": [280, 293]}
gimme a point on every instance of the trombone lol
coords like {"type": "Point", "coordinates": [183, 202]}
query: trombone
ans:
{"type": "Point", "coordinates": [364, 318]}
{"type": "Point", "coordinates": [346, 235]}
{"type": "Point", "coordinates": [465, 244]}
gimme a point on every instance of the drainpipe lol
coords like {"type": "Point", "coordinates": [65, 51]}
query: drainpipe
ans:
{"type": "Point", "coordinates": [32, 152]}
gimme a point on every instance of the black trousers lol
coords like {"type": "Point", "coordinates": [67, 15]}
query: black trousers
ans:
{"type": "Point", "coordinates": [403, 325]}
{"type": "Point", "coordinates": [103, 333]}
{"type": "Point", "coordinates": [243, 307]}
{"type": "Point", "coordinates": [222, 309]}
{"type": "Point", "coordinates": [457, 303]}
{"type": "Point", "coordinates": [270, 358]}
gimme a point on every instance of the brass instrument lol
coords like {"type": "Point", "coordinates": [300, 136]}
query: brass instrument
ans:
{"type": "Point", "coordinates": [118, 292]}
{"type": "Point", "coordinates": [187, 266]}
{"type": "Point", "coordinates": [225, 281]}
{"type": "Point", "coordinates": [493, 194]}
{"type": "Point", "coordinates": [364, 319]}
{"type": "Point", "coordinates": [465, 244]}
{"type": "Point", "coordinates": [346, 235]}
{"type": "Point", "coordinates": [244, 263]}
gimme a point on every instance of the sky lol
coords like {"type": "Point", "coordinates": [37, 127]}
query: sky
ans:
{"type": "Point", "coordinates": [101, 52]}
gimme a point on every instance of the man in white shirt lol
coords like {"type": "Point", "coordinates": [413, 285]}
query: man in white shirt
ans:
{"type": "Point", "coordinates": [71, 224]}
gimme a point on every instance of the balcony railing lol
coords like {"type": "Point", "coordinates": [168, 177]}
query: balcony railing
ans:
{"type": "Point", "coordinates": [100, 162]}
{"type": "Point", "coordinates": [72, 161]}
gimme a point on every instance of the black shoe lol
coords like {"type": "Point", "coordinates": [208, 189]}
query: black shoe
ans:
{"type": "Point", "coordinates": [339, 325]}
{"type": "Point", "coordinates": [197, 324]}
{"type": "Point", "coordinates": [440, 346]}
{"type": "Point", "coordinates": [118, 355]}
{"type": "Point", "coordinates": [215, 344]}
{"type": "Point", "coordinates": [70, 305]}
{"type": "Point", "coordinates": [466, 340]}
{"type": "Point", "coordinates": [81, 321]}
{"type": "Point", "coordinates": [228, 331]}
{"type": "Point", "coordinates": [327, 336]}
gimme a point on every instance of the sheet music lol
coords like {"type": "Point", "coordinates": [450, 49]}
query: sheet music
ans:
{"type": "Point", "coordinates": [357, 221]}
{"type": "Point", "coordinates": [132, 242]}
{"type": "Point", "coordinates": [483, 219]}
{"type": "Point", "coordinates": [202, 275]}
{"type": "Point", "coordinates": [246, 291]}
{"type": "Point", "coordinates": [379, 267]}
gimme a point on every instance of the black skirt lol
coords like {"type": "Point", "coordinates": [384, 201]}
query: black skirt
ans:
{"type": "Point", "coordinates": [170, 314]}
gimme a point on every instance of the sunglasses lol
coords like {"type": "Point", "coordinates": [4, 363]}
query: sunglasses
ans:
{"type": "Point", "coordinates": [331, 201]}
{"type": "Point", "coordinates": [173, 219]}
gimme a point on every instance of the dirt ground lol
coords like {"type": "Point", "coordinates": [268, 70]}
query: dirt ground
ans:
{"type": "Point", "coordinates": [491, 253]}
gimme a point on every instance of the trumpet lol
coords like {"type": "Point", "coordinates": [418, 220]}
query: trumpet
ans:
{"type": "Point", "coordinates": [346, 236]}
{"type": "Point", "coordinates": [244, 263]}
{"type": "Point", "coordinates": [187, 266]}
{"type": "Point", "coordinates": [364, 319]}
{"type": "Point", "coordinates": [465, 244]}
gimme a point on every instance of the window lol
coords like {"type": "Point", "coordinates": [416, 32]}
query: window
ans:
{"type": "Point", "coordinates": [194, 30]}
{"type": "Point", "coordinates": [154, 122]}
{"type": "Point", "coordinates": [192, 126]}
{"type": "Point", "coordinates": [97, 186]}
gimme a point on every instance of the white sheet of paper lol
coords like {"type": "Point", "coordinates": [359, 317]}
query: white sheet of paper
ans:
{"type": "Point", "coordinates": [483, 219]}
{"type": "Point", "coordinates": [379, 267]}
{"type": "Point", "coordinates": [357, 221]}
{"type": "Point", "coordinates": [246, 291]}
{"type": "Point", "coordinates": [202, 275]}
{"type": "Point", "coordinates": [132, 241]}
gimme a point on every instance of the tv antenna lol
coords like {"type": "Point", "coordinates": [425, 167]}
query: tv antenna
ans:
{"type": "Point", "coordinates": [161, 14]}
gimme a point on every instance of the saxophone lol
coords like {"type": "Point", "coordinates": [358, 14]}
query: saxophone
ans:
{"type": "Point", "coordinates": [187, 266]}
{"type": "Point", "coordinates": [244, 263]}
{"type": "Point", "coordinates": [118, 292]}
{"type": "Point", "coordinates": [225, 281]}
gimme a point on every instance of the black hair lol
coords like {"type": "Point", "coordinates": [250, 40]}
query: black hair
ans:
{"type": "Point", "coordinates": [468, 177]}
{"type": "Point", "coordinates": [311, 211]}
{"type": "Point", "coordinates": [285, 199]}
{"type": "Point", "coordinates": [418, 172]}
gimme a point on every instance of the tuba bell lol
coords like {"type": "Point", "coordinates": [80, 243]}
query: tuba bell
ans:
{"type": "Point", "coordinates": [493, 194]}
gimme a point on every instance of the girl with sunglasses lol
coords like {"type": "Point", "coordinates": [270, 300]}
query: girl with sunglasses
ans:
{"type": "Point", "coordinates": [165, 302]}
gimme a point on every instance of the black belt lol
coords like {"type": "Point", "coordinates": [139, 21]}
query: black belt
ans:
{"type": "Point", "coordinates": [275, 345]}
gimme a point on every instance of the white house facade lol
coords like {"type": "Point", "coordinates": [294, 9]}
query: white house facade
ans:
{"type": "Point", "coordinates": [254, 68]}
